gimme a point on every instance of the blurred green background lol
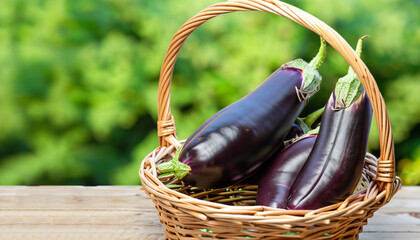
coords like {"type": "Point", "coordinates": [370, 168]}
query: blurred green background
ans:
{"type": "Point", "coordinates": [78, 93]}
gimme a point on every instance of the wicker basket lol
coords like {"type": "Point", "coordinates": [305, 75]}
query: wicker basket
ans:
{"type": "Point", "coordinates": [191, 213]}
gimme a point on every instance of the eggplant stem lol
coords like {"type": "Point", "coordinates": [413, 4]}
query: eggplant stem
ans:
{"type": "Point", "coordinates": [317, 61]}
{"type": "Point", "coordinates": [305, 128]}
{"type": "Point", "coordinates": [178, 169]}
{"type": "Point", "coordinates": [349, 87]}
{"type": "Point", "coordinates": [311, 118]}
{"type": "Point", "coordinates": [360, 45]}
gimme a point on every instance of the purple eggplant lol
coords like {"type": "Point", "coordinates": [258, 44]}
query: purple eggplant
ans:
{"type": "Point", "coordinates": [300, 129]}
{"type": "Point", "coordinates": [274, 187]}
{"type": "Point", "coordinates": [239, 138]}
{"type": "Point", "coordinates": [335, 163]}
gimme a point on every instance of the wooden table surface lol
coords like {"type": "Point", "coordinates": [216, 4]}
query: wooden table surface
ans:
{"type": "Point", "coordinates": [119, 212]}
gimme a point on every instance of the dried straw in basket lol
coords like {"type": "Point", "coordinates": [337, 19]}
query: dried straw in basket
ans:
{"type": "Point", "coordinates": [191, 213]}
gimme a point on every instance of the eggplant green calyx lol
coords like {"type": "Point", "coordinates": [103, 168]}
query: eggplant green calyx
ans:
{"type": "Point", "coordinates": [349, 87]}
{"type": "Point", "coordinates": [180, 170]}
{"type": "Point", "coordinates": [311, 79]}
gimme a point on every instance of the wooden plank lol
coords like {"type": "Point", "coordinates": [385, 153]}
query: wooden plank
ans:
{"type": "Point", "coordinates": [394, 218]}
{"type": "Point", "coordinates": [119, 212]}
{"type": "Point", "coordinates": [72, 197]}
{"type": "Point", "coordinates": [63, 212]}
{"type": "Point", "coordinates": [66, 232]}
{"type": "Point", "coordinates": [409, 192]}
{"type": "Point", "coordinates": [389, 236]}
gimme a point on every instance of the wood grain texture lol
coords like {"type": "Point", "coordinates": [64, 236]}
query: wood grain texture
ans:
{"type": "Point", "coordinates": [117, 212]}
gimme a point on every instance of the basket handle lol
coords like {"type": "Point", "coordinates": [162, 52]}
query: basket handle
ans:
{"type": "Point", "coordinates": [166, 125]}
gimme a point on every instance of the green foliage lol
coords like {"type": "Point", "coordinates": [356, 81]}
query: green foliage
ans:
{"type": "Point", "coordinates": [79, 78]}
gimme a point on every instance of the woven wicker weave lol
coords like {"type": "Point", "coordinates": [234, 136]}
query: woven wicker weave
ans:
{"type": "Point", "coordinates": [191, 213]}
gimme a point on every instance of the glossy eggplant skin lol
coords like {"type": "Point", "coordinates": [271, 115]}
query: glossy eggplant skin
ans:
{"type": "Point", "coordinates": [335, 164]}
{"type": "Point", "coordinates": [239, 138]}
{"type": "Point", "coordinates": [256, 176]}
{"type": "Point", "coordinates": [274, 187]}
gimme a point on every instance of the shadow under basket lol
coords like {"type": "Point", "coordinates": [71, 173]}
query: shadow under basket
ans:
{"type": "Point", "coordinates": [230, 213]}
